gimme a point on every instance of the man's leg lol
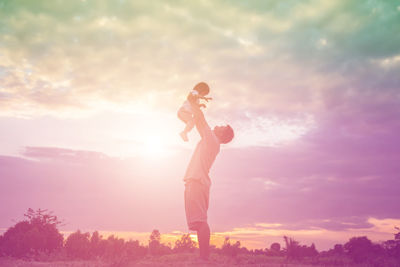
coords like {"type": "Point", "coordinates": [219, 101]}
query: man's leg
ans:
{"type": "Point", "coordinates": [196, 205]}
{"type": "Point", "coordinates": [203, 235]}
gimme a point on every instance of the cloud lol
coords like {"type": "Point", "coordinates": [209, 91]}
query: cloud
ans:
{"type": "Point", "coordinates": [285, 62]}
{"type": "Point", "coordinates": [263, 235]}
{"type": "Point", "coordinates": [70, 55]}
{"type": "Point", "coordinates": [60, 154]}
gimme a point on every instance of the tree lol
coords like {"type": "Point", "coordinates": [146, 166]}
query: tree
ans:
{"type": "Point", "coordinates": [36, 234]}
{"type": "Point", "coordinates": [392, 247]}
{"type": "Point", "coordinates": [275, 247]}
{"type": "Point", "coordinates": [338, 249]}
{"type": "Point", "coordinates": [96, 245]}
{"type": "Point", "coordinates": [113, 247]}
{"type": "Point", "coordinates": [361, 249]}
{"type": "Point", "coordinates": [310, 251]}
{"type": "Point", "coordinates": [134, 250]}
{"type": "Point", "coordinates": [295, 251]}
{"type": "Point", "coordinates": [185, 244]}
{"type": "Point", "coordinates": [78, 245]}
{"type": "Point", "coordinates": [1, 245]}
{"type": "Point", "coordinates": [292, 248]}
{"type": "Point", "coordinates": [274, 250]}
{"type": "Point", "coordinates": [397, 235]}
{"type": "Point", "coordinates": [155, 242]}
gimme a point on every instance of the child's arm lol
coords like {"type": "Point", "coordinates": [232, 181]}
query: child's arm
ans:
{"type": "Point", "coordinates": [194, 99]}
{"type": "Point", "coordinates": [205, 98]}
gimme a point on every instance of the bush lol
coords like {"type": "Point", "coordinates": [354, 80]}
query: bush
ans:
{"type": "Point", "coordinates": [295, 251]}
{"type": "Point", "coordinates": [229, 249]}
{"type": "Point", "coordinates": [185, 244]}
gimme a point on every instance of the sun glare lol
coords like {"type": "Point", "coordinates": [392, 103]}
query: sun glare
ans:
{"type": "Point", "coordinates": [153, 147]}
{"type": "Point", "coordinates": [149, 135]}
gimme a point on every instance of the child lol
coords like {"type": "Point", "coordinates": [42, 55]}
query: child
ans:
{"type": "Point", "coordinates": [185, 112]}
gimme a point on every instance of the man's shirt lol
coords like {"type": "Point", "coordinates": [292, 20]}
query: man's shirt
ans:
{"type": "Point", "coordinates": [203, 157]}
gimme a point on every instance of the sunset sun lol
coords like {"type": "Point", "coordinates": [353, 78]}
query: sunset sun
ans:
{"type": "Point", "coordinates": [154, 147]}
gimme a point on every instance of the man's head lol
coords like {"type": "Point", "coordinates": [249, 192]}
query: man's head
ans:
{"type": "Point", "coordinates": [202, 88]}
{"type": "Point", "coordinates": [224, 133]}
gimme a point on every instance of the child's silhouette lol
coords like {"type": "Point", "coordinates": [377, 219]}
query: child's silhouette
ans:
{"type": "Point", "coordinates": [185, 112]}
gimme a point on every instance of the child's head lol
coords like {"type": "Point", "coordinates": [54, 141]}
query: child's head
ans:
{"type": "Point", "coordinates": [202, 88]}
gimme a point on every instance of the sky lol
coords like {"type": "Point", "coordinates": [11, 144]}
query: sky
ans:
{"type": "Point", "coordinates": [89, 92]}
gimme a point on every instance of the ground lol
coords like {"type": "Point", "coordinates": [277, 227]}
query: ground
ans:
{"type": "Point", "coordinates": [174, 260]}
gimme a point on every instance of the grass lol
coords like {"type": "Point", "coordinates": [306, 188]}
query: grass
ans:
{"type": "Point", "coordinates": [173, 260]}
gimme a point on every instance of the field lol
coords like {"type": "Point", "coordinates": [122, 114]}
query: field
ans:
{"type": "Point", "coordinates": [174, 260]}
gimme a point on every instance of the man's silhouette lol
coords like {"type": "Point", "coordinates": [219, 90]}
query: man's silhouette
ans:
{"type": "Point", "coordinates": [197, 180]}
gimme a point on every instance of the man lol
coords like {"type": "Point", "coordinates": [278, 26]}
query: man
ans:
{"type": "Point", "coordinates": [197, 180]}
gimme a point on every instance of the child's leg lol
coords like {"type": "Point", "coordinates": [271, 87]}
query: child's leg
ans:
{"type": "Point", "coordinates": [185, 115]}
{"type": "Point", "coordinates": [187, 118]}
{"type": "Point", "coordinates": [189, 125]}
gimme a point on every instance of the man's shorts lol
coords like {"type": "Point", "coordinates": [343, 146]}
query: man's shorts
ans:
{"type": "Point", "coordinates": [196, 203]}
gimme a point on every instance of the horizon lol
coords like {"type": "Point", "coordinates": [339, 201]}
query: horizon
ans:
{"type": "Point", "coordinates": [89, 92]}
{"type": "Point", "coordinates": [217, 238]}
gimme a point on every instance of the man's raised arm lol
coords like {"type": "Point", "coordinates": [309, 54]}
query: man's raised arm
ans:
{"type": "Point", "coordinates": [200, 121]}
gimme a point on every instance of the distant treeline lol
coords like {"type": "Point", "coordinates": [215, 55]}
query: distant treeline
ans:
{"type": "Point", "coordinates": [37, 237]}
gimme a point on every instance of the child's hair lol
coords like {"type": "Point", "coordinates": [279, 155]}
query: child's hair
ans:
{"type": "Point", "coordinates": [227, 135]}
{"type": "Point", "coordinates": [202, 88]}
